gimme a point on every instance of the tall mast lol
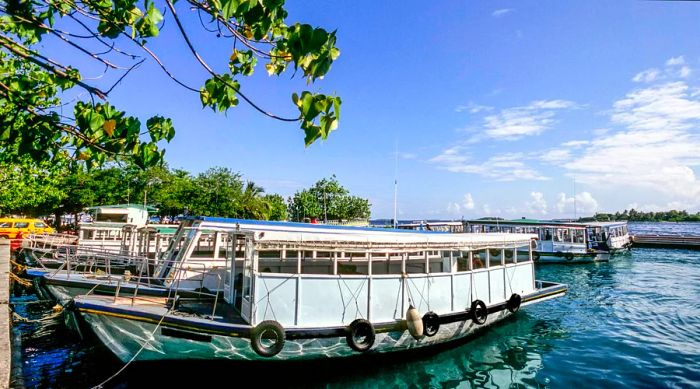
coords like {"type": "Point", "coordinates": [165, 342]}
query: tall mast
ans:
{"type": "Point", "coordinates": [396, 181]}
{"type": "Point", "coordinates": [575, 217]}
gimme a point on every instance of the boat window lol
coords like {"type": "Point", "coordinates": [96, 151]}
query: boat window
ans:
{"type": "Point", "coordinates": [310, 265]}
{"type": "Point", "coordinates": [479, 259]}
{"type": "Point", "coordinates": [522, 255]}
{"type": "Point", "coordinates": [510, 256]}
{"type": "Point", "coordinates": [462, 260]}
{"type": "Point", "coordinates": [439, 262]}
{"type": "Point", "coordinates": [346, 266]}
{"type": "Point", "coordinates": [547, 234]}
{"type": "Point", "coordinates": [204, 247]}
{"type": "Point", "coordinates": [415, 263]}
{"type": "Point", "coordinates": [495, 257]}
{"type": "Point", "coordinates": [388, 264]}
{"type": "Point", "coordinates": [578, 235]}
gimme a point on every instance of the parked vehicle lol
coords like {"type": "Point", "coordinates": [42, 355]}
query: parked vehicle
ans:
{"type": "Point", "coordinates": [15, 228]}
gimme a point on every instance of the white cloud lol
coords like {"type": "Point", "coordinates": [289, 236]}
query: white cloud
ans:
{"type": "Point", "coordinates": [486, 208]}
{"type": "Point", "coordinates": [454, 208]}
{"type": "Point", "coordinates": [466, 205]}
{"type": "Point", "coordinates": [473, 108]}
{"type": "Point", "coordinates": [648, 75]}
{"type": "Point", "coordinates": [537, 205]}
{"type": "Point", "coordinates": [502, 167]}
{"type": "Point", "coordinates": [517, 122]}
{"type": "Point", "coordinates": [575, 143]}
{"type": "Point", "coordinates": [468, 201]}
{"type": "Point", "coordinates": [600, 131]}
{"type": "Point", "coordinates": [585, 203]}
{"type": "Point", "coordinates": [684, 72]}
{"type": "Point", "coordinates": [656, 148]}
{"type": "Point", "coordinates": [556, 155]}
{"type": "Point", "coordinates": [501, 12]}
{"type": "Point", "coordinates": [674, 61]}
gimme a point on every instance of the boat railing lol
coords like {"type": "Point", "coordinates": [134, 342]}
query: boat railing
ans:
{"type": "Point", "coordinates": [75, 258]}
{"type": "Point", "coordinates": [48, 241]}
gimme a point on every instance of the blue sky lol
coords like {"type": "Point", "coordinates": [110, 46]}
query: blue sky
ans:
{"type": "Point", "coordinates": [497, 108]}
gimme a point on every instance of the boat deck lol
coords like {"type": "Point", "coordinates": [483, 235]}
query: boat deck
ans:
{"type": "Point", "coordinates": [667, 241]}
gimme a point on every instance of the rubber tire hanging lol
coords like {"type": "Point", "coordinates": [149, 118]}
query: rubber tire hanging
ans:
{"type": "Point", "coordinates": [478, 306]}
{"type": "Point", "coordinates": [360, 328]}
{"type": "Point", "coordinates": [514, 302]}
{"type": "Point", "coordinates": [261, 332]}
{"type": "Point", "coordinates": [431, 324]}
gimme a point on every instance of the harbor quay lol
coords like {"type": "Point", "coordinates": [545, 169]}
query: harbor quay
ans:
{"type": "Point", "coordinates": [5, 342]}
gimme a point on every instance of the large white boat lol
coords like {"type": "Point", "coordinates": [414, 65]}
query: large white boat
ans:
{"type": "Point", "coordinates": [564, 242]}
{"type": "Point", "coordinates": [322, 293]}
{"type": "Point", "coordinates": [74, 267]}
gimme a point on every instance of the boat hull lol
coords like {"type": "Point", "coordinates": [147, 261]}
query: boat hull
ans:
{"type": "Point", "coordinates": [549, 257]}
{"type": "Point", "coordinates": [131, 335]}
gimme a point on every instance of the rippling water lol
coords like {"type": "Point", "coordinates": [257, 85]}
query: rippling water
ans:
{"type": "Point", "coordinates": [632, 322]}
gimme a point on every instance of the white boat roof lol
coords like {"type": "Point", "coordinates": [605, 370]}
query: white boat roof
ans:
{"type": "Point", "coordinates": [391, 240]}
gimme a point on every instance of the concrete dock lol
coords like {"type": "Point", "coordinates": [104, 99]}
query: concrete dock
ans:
{"type": "Point", "coordinates": [5, 342]}
{"type": "Point", "coordinates": [667, 241]}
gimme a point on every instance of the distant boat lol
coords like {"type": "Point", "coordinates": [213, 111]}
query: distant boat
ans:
{"type": "Point", "coordinates": [294, 293]}
{"type": "Point", "coordinates": [436, 226]}
{"type": "Point", "coordinates": [560, 241]}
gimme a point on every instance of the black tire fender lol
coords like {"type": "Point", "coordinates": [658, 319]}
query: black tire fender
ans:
{"type": "Point", "coordinates": [478, 312]}
{"type": "Point", "coordinates": [559, 254]}
{"type": "Point", "coordinates": [569, 256]}
{"type": "Point", "coordinates": [535, 256]}
{"type": "Point", "coordinates": [268, 329]}
{"type": "Point", "coordinates": [431, 324]}
{"type": "Point", "coordinates": [360, 335]}
{"type": "Point", "coordinates": [513, 304]}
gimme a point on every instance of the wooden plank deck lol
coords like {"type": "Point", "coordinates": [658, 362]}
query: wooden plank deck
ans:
{"type": "Point", "coordinates": [667, 241]}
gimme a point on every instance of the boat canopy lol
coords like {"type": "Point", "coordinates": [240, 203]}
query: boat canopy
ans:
{"type": "Point", "coordinates": [393, 241]}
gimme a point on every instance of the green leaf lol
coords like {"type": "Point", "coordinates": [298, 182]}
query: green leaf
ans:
{"type": "Point", "coordinates": [229, 8]}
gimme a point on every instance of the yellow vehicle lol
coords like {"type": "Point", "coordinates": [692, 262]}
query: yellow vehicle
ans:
{"type": "Point", "coordinates": [15, 228]}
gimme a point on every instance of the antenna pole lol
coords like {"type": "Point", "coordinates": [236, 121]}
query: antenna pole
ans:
{"type": "Point", "coordinates": [575, 217]}
{"type": "Point", "coordinates": [396, 182]}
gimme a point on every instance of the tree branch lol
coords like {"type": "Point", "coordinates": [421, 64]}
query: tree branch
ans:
{"type": "Point", "coordinates": [9, 44]}
{"type": "Point", "coordinates": [216, 75]}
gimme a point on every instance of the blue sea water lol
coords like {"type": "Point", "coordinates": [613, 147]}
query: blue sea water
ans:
{"type": "Point", "coordinates": [632, 322]}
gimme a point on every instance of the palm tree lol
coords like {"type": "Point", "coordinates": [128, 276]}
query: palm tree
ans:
{"type": "Point", "coordinates": [253, 204]}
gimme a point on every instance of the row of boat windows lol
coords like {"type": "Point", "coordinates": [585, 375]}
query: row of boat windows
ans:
{"type": "Point", "coordinates": [329, 263]}
{"type": "Point", "coordinates": [567, 235]}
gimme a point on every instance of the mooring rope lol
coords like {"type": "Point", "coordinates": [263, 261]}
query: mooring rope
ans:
{"type": "Point", "coordinates": [133, 358]}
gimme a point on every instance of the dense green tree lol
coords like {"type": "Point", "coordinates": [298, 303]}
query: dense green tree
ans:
{"type": "Point", "coordinates": [218, 192]}
{"type": "Point", "coordinates": [634, 215]}
{"type": "Point", "coordinates": [277, 207]}
{"type": "Point", "coordinates": [27, 187]}
{"type": "Point", "coordinates": [33, 86]}
{"type": "Point", "coordinates": [328, 200]}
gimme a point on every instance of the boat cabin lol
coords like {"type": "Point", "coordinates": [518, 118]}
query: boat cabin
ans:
{"type": "Point", "coordinates": [436, 226]}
